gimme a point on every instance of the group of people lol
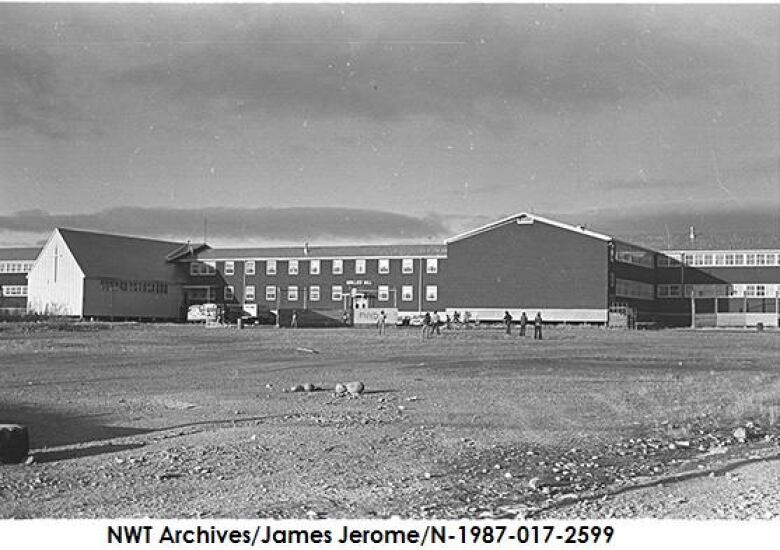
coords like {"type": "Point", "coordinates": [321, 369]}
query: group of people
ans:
{"type": "Point", "coordinates": [523, 322]}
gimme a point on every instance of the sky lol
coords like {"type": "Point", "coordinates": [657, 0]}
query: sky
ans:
{"type": "Point", "coordinates": [387, 123]}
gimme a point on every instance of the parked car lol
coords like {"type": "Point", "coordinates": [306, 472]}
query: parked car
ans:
{"type": "Point", "coordinates": [262, 318]}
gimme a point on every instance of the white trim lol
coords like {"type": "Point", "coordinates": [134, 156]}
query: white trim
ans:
{"type": "Point", "coordinates": [526, 218]}
{"type": "Point", "coordinates": [552, 315]}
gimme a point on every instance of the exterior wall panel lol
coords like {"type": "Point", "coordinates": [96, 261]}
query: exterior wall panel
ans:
{"type": "Point", "coordinates": [526, 266]}
{"type": "Point", "coordinates": [56, 282]}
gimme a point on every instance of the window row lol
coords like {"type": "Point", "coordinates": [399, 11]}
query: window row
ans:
{"type": "Point", "coordinates": [336, 293]}
{"type": "Point", "coordinates": [720, 259]}
{"type": "Point", "coordinates": [15, 267]}
{"type": "Point", "coordinates": [14, 290]}
{"type": "Point", "coordinates": [735, 290]}
{"type": "Point", "coordinates": [634, 289]}
{"type": "Point", "coordinates": [152, 287]}
{"type": "Point", "coordinates": [628, 254]}
{"type": "Point", "coordinates": [294, 267]}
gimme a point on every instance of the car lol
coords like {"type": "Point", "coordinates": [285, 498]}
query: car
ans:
{"type": "Point", "coordinates": [262, 318]}
{"type": "Point", "coordinates": [201, 313]}
{"type": "Point", "coordinates": [415, 320]}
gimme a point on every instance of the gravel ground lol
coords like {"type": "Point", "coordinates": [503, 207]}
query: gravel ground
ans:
{"type": "Point", "coordinates": [135, 421]}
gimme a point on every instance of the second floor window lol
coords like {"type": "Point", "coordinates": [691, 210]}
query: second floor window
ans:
{"type": "Point", "coordinates": [384, 266]}
{"type": "Point", "coordinates": [338, 267]}
{"type": "Point", "coordinates": [230, 268]}
{"type": "Point", "coordinates": [292, 267]}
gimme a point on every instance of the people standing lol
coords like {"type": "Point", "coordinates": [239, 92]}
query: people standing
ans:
{"type": "Point", "coordinates": [523, 323]}
{"type": "Point", "coordinates": [294, 320]}
{"type": "Point", "coordinates": [538, 326]}
{"type": "Point", "coordinates": [435, 322]}
{"type": "Point", "coordinates": [508, 322]}
{"type": "Point", "coordinates": [426, 327]}
{"type": "Point", "coordinates": [381, 322]}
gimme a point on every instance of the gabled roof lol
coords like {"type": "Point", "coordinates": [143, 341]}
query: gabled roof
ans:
{"type": "Point", "coordinates": [121, 257]}
{"type": "Point", "coordinates": [304, 252]}
{"type": "Point", "coordinates": [24, 254]}
{"type": "Point", "coordinates": [524, 217]}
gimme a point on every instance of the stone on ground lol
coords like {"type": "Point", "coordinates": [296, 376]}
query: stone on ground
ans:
{"type": "Point", "coordinates": [356, 388]}
{"type": "Point", "coordinates": [14, 443]}
{"type": "Point", "coordinates": [340, 388]}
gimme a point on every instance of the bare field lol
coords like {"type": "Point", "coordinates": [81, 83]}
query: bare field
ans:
{"type": "Point", "coordinates": [186, 421]}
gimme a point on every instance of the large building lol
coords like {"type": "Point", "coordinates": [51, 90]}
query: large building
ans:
{"type": "Point", "coordinates": [15, 263]}
{"type": "Point", "coordinates": [523, 262]}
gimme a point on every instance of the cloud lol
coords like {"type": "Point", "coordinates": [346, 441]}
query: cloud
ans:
{"type": "Point", "coordinates": [453, 61]}
{"type": "Point", "coordinates": [248, 225]}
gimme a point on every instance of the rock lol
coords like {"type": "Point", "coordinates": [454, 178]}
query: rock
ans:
{"type": "Point", "coordinates": [740, 434]}
{"type": "Point", "coordinates": [309, 387]}
{"type": "Point", "coordinates": [356, 388]}
{"type": "Point", "coordinates": [340, 388]}
{"type": "Point", "coordinates": [14, 443]}
{"type": "Point", "coordinates": [296, 388]}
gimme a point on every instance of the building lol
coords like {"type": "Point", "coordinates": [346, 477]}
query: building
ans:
{"type": "Point", "coordinates": [89, 274]}
{"type": "Point", "coordinates": [524, 262]}
{"type": "Point", "coordinates": [327, 279]}
{"type": "Point", "coordinates": [530, 263]}
{"type": "Point", "coordinates": [718, 287]}
{"type": "Point", "coordinates": [15, 263]}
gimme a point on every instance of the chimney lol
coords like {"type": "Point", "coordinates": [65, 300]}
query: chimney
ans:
{"type": "Point", "coordinates": [692, 234]}
{"type": "Point", "coordinates": [306, 249]}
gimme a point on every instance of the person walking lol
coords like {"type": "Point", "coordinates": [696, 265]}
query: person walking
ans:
{"type": "Point", "coordinates": [294, 320]}
{"type": "Point", "coordinates": [523, 323]}
{"type": "Point", "coordinates": [538, 326]}
{"type": "Point", "coordinates": [381, 322]}
{"type": "Point", "coordinates": [508, 322]}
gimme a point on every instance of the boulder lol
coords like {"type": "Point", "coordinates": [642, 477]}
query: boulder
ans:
{"type": "Point", "coordinates": [309, 387]}
{"type": "Point", "coordinates": [356, 388]}
{"type": "Point", "coordinates": [14, 443]}
{"type": "Point", "coordinates": [340, 388]}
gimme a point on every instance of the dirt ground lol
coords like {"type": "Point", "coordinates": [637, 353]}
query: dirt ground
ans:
{"type": "Point", "coordinates": [189, 421]}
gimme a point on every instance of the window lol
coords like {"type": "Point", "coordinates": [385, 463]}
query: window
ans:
{"type": "Point", "coordinates": [634, 289]}
{"type": "Point", "coordinates": [360, 267]}
{"type": "Point", "coordinates": [270, 293]}
{"type": "Point", "coordinates": [292, 293]}
{"type": "Point", "coordinates": [669, 291]}
{"type": "Point", "coordinates": [383, 293]}
{"type": "Point", "coordinates": [229, 292]}
{"type": "Point", "coordinates": [201, 268]}
{"type": "Point", "coordinates": [770, 259]}
{"type": "Point", "coordinates": [698, 259]}
{"type": "Point", "coordinates": [270, 267]}
{"type": "Point", "coordinates": [719, 259]}
{"type": "Point", "coordinates": [760, 290]}
{"type": "Point", "coordinates": [338, 268]}
{"type": "Point", "coordinates": [688, 259]}
{"type": "Point", "coordinates": [14, 290]}
{"type": "Point", "coordinates": [384, 266]}
{"type": "Point", "coordinates": [336, 293]}
{"type": "Point", "coordinates": [760, 259]}
{"type": "Point", "coordinates": [249, 267]}
{"type": "Point", "coordinates": [15, 267]}
{"type": "Point", "coordinates": [739, 259]}
{"type": "Point", "coordinates": [431, 293]}
{"type": "Point", "coordinates": [407, 265]}
{"type": "Point", "coordinates": [249, 293]}
{"type": "Point", "coordinates": [407, 293]}
{"type": "Point", "coordinates": [230, 268]}
{"type": "Point", "coordinates": [314, 267]}
{"type": "Point", "coordinates": [431, 265]}
{"type": "Point", "coordinates": [729, 259]}
{"type": "Point", "coordinates": [750, 259]}
{"type": "Point", "coordinates": [708, 259]}
{"type": "Point", "coordinates": [314, 293]}
{"type": "Point", "coordinates": [292, 267]}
